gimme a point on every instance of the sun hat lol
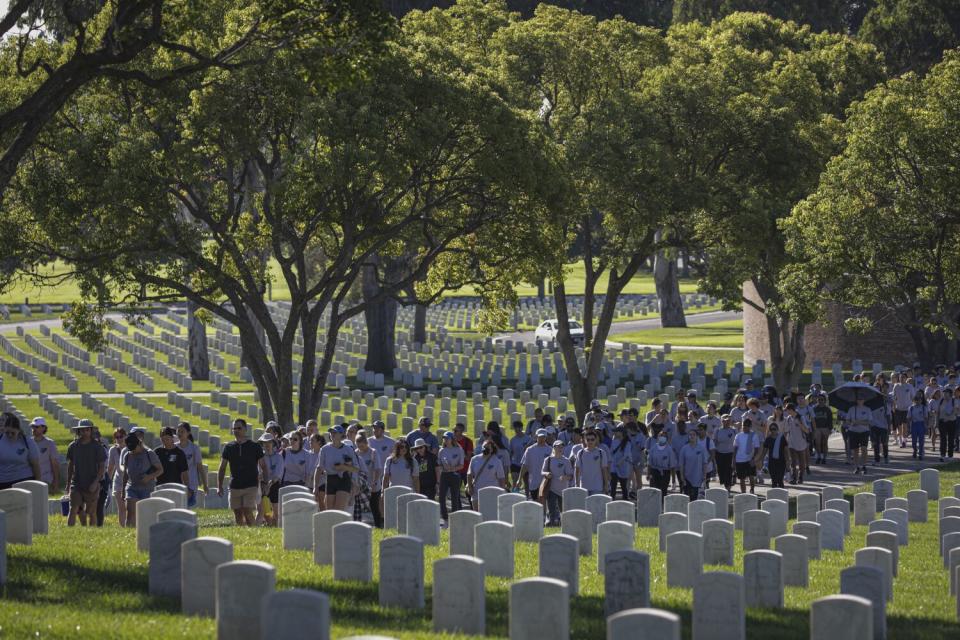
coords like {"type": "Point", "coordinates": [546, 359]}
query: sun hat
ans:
{"type": "Point", "coordinates": [266, 437]}
{"type": "Point", "coordinates": [83, 423]}
{"type": "Point", "coordinates": [419, 442]}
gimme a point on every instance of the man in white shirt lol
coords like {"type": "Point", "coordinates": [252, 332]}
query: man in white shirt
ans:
{"type": "Point", "coordinates": [903, 393]}
{"type": "Point", "coordinates": [531, 465]}
{"type": "Point", "coordinates": [592, 465]}
{"type": "Point", "coordinates": [859, 420]}
{"type": "Point", "coordinates": [745, 445]}
{"type": "Point", "coordinates": [380, 442]}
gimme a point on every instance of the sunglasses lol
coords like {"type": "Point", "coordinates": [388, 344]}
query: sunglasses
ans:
{"type": "Point", "coordinates": [238, 428]}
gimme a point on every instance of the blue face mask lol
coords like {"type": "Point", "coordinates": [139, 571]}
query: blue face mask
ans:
{"type": "Point", "coordinates": [662, 440]}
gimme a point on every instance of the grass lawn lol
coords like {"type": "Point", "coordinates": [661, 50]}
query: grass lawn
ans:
{"type": "Point", "coordinates": [715, 334]}
{"type": "Point", "coordinates": [68, 291]}
{"type": "Point", "coordinates": [93, 584]}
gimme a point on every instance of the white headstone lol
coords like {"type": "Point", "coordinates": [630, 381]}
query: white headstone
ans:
{"type": "Point", "coordinates": [181, 515]}
{"type": "Point", "coordinates": [626, 581]}
{"type": "Point", "coordinates": [779, 511]}
{"type": "Point", "coordinates": [831, 529]}
{"type": "Point", "coordinates": [864, 509]}
{"type": "Point", "coordinates": [298, 523]}
{"type": "Point", "coordinates": [505, 502]}
{"type": "Point", "coordinates": [883, 489]}
{"type": "Point", "coordinates": [39, 494]}
{"type": "Point", "coordinates": [698, 512]}
{"type": "Point", "coordinates": [684, 559]}
{"type": "Point", "coordinates": [558, 557]}
{"type": "Point", "coordinates": [423, 521]}
{"type": "Point", "coordinates": [147, 511]}
{"type": "Point", "coordinates": [199, 559]}
{"type": "Point", "coordinates": [719, 607]}
{"type": "Point", "coordinates": [401, 572]}
{"type": "Point", "coordinates": [886, 540]}
{"type": "Point", "coordinates": [743, 502]}
{"type": "Point", "coordinates": [166, 538]}
{"type": "Point", "coordinates": [487, 499]}
{"type": "Point", "coordinates": [917, 505]}
{"type": "Point", "coordinates": [649, 506]}
{"type": "Point", "coordinates": [763, 578]}
{"type": "Point", "coordinates": [281, 615]}
{"type": "Point", "coordinates": [402, 501]}
{"type": "Point", "coordinates": [611, 537]}
{"type": "Point", "coordinates": [539, 608]}
{"type": "Point", "coordinates": [18, 506]}
{"type": "Point", "coordinates": [807, 506]}
{"type": "Point", "coordinates": [810, 531]}
{"type": "Point", "coordinates": [622, 511]}
{"type": "Point", "coordinates": [323, 524]}
{"type": "Point", "coordinates": [793, 550]}
{"type": "Point", "coordinates": [461, 528]}
{"type": "Point", "coordinates": [493, 544]}
{"type": "Point", "coordinates": [643, 624]}
{"type": "Point", "coordinates": [877, 558]}
{"type": "Point", "coordinates": [869, 583]}
{"type": "Point", "coordinates": [353, 551]}
{"type": "Point", "coordinates": [949, 524]}
{"type": "Point", "coordinates": [718, 539]}
{"type": "Point", "coordinates": [843, 507]}
{"type": "Point", "coordinates": [756, 530]}
{"type": "Point", "coordinates": [390, 495]}
{"type": "Point", "coordinates": [720, 497]}
{"type": "Point", "coordinates": [574, 498]}
{"type": "Point", "coordinates": [579, 524]}
{"type": "Point", "coordinates": [841, 617]}
{"type": "Point", "coordinates": [671, 522]}
{"type": "Point", "coordinates": [676, 503]}
{"type": "Point", "coordinates": [528, 521]}
{"type": "Point", "coordinates": [831, 492]}
{"type": "Point", "coordinates": [241, 586]}
{"type": "Point", "coordinates": [930, 482]}
{"type": "Point", "coordinates": [459, 599]}
{"type": "Point", "coordinates": [903, 523]}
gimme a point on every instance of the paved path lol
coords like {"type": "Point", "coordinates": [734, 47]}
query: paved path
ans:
{"type": "Point", "coordinates": [630, 326]}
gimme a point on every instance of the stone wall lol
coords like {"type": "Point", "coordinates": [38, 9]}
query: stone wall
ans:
{"type": "Point", "coordinates": [829, 342]}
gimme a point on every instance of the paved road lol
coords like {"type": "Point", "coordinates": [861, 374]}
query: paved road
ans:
{"type": "Point", "coordinates": [630, 326]}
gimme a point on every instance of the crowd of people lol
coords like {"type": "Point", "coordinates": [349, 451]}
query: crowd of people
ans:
{"type": "Point", "coordinates": [755, 434]}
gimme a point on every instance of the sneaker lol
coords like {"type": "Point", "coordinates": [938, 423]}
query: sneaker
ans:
{"type": "Point", "coordinates": [941, 458]}
{"type": "Point", "coordinates": [914, 454]}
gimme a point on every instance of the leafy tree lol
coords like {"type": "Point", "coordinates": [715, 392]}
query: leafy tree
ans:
{"type": "Point", "coordinates": [50, 49]}
{"type": "Point", "coordinates": [191, 192]}
{"type": "Point", "coordinates": [912, 34]}
{"type": "Point", "coordinates": [821, 15]}
{"type": "Point", "coordinates": [752, 107]}
{"type": "Point", "coordinates": [883, 226]}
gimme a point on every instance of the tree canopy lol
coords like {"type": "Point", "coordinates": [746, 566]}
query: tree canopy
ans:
{"type": "Point", "coordinates": [883, 226]}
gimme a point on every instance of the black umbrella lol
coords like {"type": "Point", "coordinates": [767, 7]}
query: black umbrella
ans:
{"type": "Point", "coordinates": [847, 394]}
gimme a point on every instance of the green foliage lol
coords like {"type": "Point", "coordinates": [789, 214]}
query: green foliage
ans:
{"type": "Point", "coordinates": [820, 15]}
{"type": "Point", "coordinates": [883, 226]}
{"type": "Point", "coordinates": [912, 34]}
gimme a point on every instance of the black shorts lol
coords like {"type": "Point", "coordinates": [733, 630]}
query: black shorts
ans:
{"type": "Point", "coordinates": [899, 417]}
{"type": "Point", "coordinates": [336, 484]}
{"type": "Point", "coordinates": [274, 493]}
{"type": "Point", "coordinates": [515, 468]}
{"type": "Point", "coordinates": [857, 439]}
{"type": "Point", "coordinates": [746, 470]}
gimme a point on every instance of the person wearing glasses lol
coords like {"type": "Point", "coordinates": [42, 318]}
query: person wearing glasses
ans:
{"type": "Point", "coordinates": [49, 456]}
{"type": "Point", "coordinates": [140, 468]}
{"type": "Point", "coordinates": [19, 456]}
{"type": "Point", "coordinates": [398, 469]}
{"type": "Point", "coordinates": [115, 473]}
{"type": "Point", "coordinates": [86, 463]}
{"type": "Point", "coordinates": [245, 459]}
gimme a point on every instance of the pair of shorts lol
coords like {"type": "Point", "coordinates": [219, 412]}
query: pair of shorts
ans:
{"type": "Point", "coordinates": [858, 439]}
{"type": "Point", "coordinates": [746, 470]}
{"type": "Point", "coordinates": [899, 417]}
{"type": "Point", "coordinates": [272, 491]}
{"type": "Point", "coordinates": [88, 498]}
{"type": "Point", "coordinates": [9, 485]}
{"type": "Point", "coordinates": [338, 484]}
{"type": "Point", "coordinates": [137, 493]}
{"type": "Point", "coordinates": [245, 498]}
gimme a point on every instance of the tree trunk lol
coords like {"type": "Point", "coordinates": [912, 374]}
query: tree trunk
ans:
{"type": "Point", "coordinates": [685, 270]}
{"type": "Point", "coordinates": [933, 348]}
{"type": "Point", "coordinates": [381, 326]}
{"type": "Point", "coordinates": [787, 355]}
{"type": "Point", "coordinates": [581, 388]}
{"type": "Point", "coordinates": [197, 345]}
{"type": "Point", "coordinates": [420, 324]}
{"type": "Point", "coordinates": [668, 291]}
{"type": "Point", "coordinates": [541, 289]}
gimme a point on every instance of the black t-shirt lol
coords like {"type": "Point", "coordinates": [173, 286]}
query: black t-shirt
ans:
{"type": "Point", "coordinates": [427, 467]}
{"type": "Point", "coordinates": [174, 463]}
{"type": "Point", "coordinates": [244, 463]}
{"type": "Point", "coordinates": [770, 445]}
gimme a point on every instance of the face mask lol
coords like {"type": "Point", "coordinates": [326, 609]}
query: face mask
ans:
{"type": "Point", "coordinates": [662, 440]}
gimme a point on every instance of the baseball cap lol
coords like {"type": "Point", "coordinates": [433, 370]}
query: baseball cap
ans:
{"type": "Point", "coordinates": [594, 404]}
{"type": "Point", "coordinates": [336, 429]}
{"type": "Point", "coordinates": [419, 442]}
{"type": "Point", "coordinates": [692, 393]}
{"type": "Point", "coordinates": [558, 443]}
{"type": "Point", "coordinates": [83, 423]}
{"type": "Point", "coordinates": [425, 420]}
{"type": "Point", "coordinates": [379, 423]}
{"type": "Point", "coordinates": [748, 381]}
{"type": "Point", "coordinates": [136, 430]}
{"type": "Point", "coordinates": [448, 434]}
{"type": "Point", "coordinates": [541, 433]}
{"type": "Point", "coordinates": [39, 421]}
{"type": "Point", "coordinates": [271, 423]}
{"type": "Point", "coordinates": [267, 437]}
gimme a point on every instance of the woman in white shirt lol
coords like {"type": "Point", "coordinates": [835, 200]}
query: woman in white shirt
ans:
{"type": "Point", "coordinates": [196, 477]}
{"type": "Point", "coordinates": [398, 469]}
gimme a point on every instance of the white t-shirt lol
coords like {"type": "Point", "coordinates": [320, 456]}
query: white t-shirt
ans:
{"type": "Point", "coordinates": [194, 456]}
{"type": "Point", "coordinates": [533, 458]}
{"type": "Point", "coordinates": [383, 445]}
{"type": "Point", "coordinates": [902, 396]}
{"type": "Point", "coordinates": [487, 471]}
{"type": "Point", "coordinates": [400, 471]}
{"type": "Point", "coordinates": [746, 445]}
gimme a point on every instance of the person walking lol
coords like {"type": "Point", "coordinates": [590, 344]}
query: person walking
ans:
{"type": "Point", "coordinates": [450, 460]}
{"type": "Point", "coordinates": [399, 470]}
{"type": "Point", "coordinates": [518, 445]}
{"type": "Point", "coordinates": [339, 463]}
{"type": "Point", "coordinates": [592, 465]}
{"type": "Point", "coordinates": [245, 459]}
{"type": "Point", "coordinates": [86, 465]}
{"type": "Point", "coordinates": [796, 430]}
{"type": "Point", "coordinates": [917, 417]}
{"type": "Point", "coordinates": [621, 464]}
{"type": "Point", "coordinates": [531, 465]}
{"type": "Point", "coordinates": [947, 423]}
{"type": "Point", "coordinates": [422, 432]}
{"type": "Point", "coordinates": [368, 480]}
{"type": "Point", "coordinates": [195, 474]}
{"type": "Point", "coordinates": [692, 466]}
{"type": "Point", "coordinates": [746, 446]}
{"type": "Point", "coordinates": [174, 461]}
{"type": "Point", "coordinates": [775, 446]}
{"type": "Point", "coordinates": [19, 456]}
{"type": "Point", "coordinates": [140, 468]}
{"type": "Point", "coordinates": [313, 460]}
{"type": "Point", "coordinates": [270, 481]}
{"type": "Point", "coordinates": [486, 470]}
{"type": "Point", "coordinates": [723, 451]}
{"type": "Point", "coordinates": [115, 473]}
{"type": "Point", "coordinates": [49, 459]}
{"type": "Point", "coordinates": [859, 419]}
{"type": "Point", "coordinates": [822, 427]}
{"type": "Point", "coordinates": [425, 464]}
{"type": "Point", "coordinates": [558, 471]}
{"type": "Point", "coordinates": [661, 461]}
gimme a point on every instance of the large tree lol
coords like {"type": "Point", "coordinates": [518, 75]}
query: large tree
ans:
{"type": "Point", "coordinates": [882, 230]}
{"type": "Point", "coordinates": [752, 106]}
{"type": "Point", "coordinates": [912, 34]}
{"type": "Point", "coordinates": [191, 192]}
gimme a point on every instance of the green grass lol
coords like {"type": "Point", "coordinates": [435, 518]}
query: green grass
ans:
{"type": "Point", "coordinates": [72, 581]}
{"type": "Point", "coordinates": [715, 334]}
{"type": "Point", "coordinates": [67, 291]}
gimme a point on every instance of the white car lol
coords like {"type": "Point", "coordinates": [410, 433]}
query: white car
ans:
{"type": "Point", "coordinates": [547, 332]}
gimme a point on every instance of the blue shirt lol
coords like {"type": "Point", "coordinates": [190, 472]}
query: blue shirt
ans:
{"type": "Point", "coordinates": [692, 460]}
{"type": "Point", "coordinates": [518, 444]}
{"type": "Point", "coordinates": [621, 460]}
{"type": "Point", "coordinates": [432, 443]}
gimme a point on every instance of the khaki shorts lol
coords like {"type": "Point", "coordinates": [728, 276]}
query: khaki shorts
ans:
{"type": "Point", "coordinates": [244, 498]}
{"type": "Point", "coordinates": [87, 498]}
